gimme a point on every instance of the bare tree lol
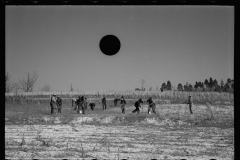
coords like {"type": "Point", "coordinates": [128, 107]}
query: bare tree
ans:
{"type": "Point", "coordinates": [7, 82]}
{"type": "Point", "coordinates": [46, 88]}
{"type": "Point", "coordinates": [27, 85]}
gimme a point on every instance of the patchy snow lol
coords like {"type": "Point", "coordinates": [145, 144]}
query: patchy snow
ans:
{"type": "Point", "coordinates": [57, 120]}
{"type": "Point", "coordinates": [107, 119]}
{"type": "Point", "coordinates": [46, 119]}
{"type": "Point", "coordinates": [111, 142]}
{"type": "Point", "coordinates": [79, 120]}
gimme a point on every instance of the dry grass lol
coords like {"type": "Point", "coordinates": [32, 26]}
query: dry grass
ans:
{"type": "Point", "coordinates": [174, 96]}
{"type": "Point", "coordinates": [117, 142]}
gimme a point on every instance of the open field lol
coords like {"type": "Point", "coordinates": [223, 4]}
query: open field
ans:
{"type": "Point", "coordinates": [31, 132]}
{"type": "Point", "coordinates": [173, 96]}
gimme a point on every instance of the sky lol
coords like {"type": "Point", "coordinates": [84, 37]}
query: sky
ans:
{"type": "Point", "coordinates": [158, 43]}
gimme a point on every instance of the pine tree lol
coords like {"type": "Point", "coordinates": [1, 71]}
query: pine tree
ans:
{"type": "Point", "coordinates": [229, 87]}
{"type": "Point", "coordinates": [232, 84]}
{"type": "Point", "coordinates": [218, 88]}
{"type": "Point", "coordinates": [226, 87]}
{"type": "Point", "coordinates": [169, 86]}
{"type": "Point", "coordinates": [186, 87]}
{"type": "Point", "coordinates": [164, 86]}
{"type": "Point", "coordinates": [201, 84]}
{"type": "Point", "coordinates": [229, 81]}
{"type": "Point", "coordinates": [190, 87]}
{"type": "Point", "coordinates": [215, 82]}
{"type": "Point", "coordinates": [196, 86]}
{"type": "Point", "coordinates": [206, 84]}
{"type": "Point", "coordinates": [180, 87]}
{"type": "Point", "coordinates": [210, 83]}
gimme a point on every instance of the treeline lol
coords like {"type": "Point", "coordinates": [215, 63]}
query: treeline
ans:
{"type": "Point", "coordinates": [206, 86]}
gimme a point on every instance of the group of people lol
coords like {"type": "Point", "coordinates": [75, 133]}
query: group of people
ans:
{"type": "Point", "coordinates": [137, 104]}
{"type": "Point", "coordinates": [81, 104]}
{"type": "Point", "coordinates": [151, 105]}
{"type": "Point", "coordinates": [56, 104]}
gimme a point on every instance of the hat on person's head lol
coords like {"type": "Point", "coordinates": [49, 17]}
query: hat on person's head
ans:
{"type": "Point", "coordinates": [54, 94]}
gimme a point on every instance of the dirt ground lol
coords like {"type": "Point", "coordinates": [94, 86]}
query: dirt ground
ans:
{"type": "Point", "coordinates": [171, 134]}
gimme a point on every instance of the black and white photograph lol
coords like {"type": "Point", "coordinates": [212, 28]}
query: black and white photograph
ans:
{"type": "Point", "coordinates": [119, 82]}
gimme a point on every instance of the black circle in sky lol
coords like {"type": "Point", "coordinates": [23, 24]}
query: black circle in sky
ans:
{"type": "Point", "coordinates": [109, 45]}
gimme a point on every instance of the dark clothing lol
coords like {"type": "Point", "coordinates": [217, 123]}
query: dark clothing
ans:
{"type": "Point", "coordinates": [190, 105]}
{"type": "Point", "coordinates": [77, 103]}
{"type": "Point", "coordinates": [123, 101]}
{"type": "Point", "coordinates": [80, 105]}
{"type": "Point", "coordinates": [123, 104]}
{"type": "Point", "coordinates": [123, 109]}
{"type": "Point", "coordinates": [190, 108]}
{"type": "Point", "coordinates": [151, 105]}
{"type": "Point", "coordinates": [52, 108]}
{"type": "Point", "coordinates": [104, 103]}
{"type": "Point", "coordinates": [82, 98]}
{"type": "Point", "coordinates": [85, 103]}
{"type": "Point", "coordinates": [137, 105]}
{"type": "Point", "coordinates": [92, 106]}
{"type": "Point", "coordinates": [136, 110]}
{"type": "Point", "coordinates": [83, 109]}
{"type": "Point", "coordinates": [190, 100]}
{"type": "Point", "coordinates": [150, 101]}
{"type": "Point", "coordinates": [59, 103]}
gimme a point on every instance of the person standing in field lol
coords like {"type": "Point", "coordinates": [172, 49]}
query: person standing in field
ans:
{"type": "Point", "coordinates": [53, 103]}
{"type": "Point", "coordinates": [151, 105]}
{"type": "Point", "coordinates": [78, 104]}
{"type": "Point", "coordinates": [104, 103]}
{"type": "Point", "coordinates": [137, 105]}
{"type": "Point", "coordinates": [74, 103]}
{"type": "Point", "coordinates": [59, 102]}
{"type": "Point", "coordinates": [123, 104]}
{"type": "Point", "coordinates": [85, 103]}
{"type": "Point", "coordinates": [82, 103]}
{"type": "Point", "coordinates": [190, 104]}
